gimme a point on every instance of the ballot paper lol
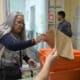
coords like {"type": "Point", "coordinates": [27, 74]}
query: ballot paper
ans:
{"type": "Point", "coordinates": [61, 42]}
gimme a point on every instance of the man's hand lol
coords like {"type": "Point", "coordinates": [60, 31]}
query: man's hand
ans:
{"type": "Point", "coordinates": [32, 63]}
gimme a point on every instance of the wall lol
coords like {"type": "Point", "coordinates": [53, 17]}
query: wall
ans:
{"type": "Point", "coordinates": [17, 5]}
{"type": "Point", "coordinates": [40, 15]}
{"type": "Point", "coordinates": [1, 11]}
{"type": "Point", "coordinates": [72, 9]}
{"type": "Point", "coordinates": [52, 10]}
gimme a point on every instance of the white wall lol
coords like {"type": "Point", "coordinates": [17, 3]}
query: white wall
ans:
{"type": "Point", "coordinates": [17, 5]}
{"type": "Point", "coordinates": [1, 11]}
{"type": "Point", "coordinates": [40, 14]}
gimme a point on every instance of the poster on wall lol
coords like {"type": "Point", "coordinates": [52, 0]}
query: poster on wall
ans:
{"type": "Point", "coordinates": [51, 18]}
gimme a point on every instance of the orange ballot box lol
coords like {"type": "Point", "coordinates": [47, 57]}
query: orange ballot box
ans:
{"type": "Point", "coordinates": [63, 69]}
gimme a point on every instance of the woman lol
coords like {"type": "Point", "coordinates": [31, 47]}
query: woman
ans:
{"type": "Point", "coordinates": [11, 46]}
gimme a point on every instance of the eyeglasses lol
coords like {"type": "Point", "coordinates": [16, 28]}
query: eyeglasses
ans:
{"type": "Point", "coordinates": [20, 22]}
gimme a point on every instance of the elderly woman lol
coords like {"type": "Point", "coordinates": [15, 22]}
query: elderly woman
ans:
{"type": "Point", "coordinates": [11, 47]}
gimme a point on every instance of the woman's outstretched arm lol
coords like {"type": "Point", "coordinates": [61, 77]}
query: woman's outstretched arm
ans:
{"type": "Point", "coordinates": [44, 73]}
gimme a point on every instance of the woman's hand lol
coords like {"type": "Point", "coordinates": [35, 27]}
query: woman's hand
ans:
{"type": "Point", "coordinates": [40, 38]}
{"type": "Point", "coordinates": [32, 63]}
{"type": "Point", "coordinates": [50, 60]}
{"type": "Point", "coordinates": [52, 57]}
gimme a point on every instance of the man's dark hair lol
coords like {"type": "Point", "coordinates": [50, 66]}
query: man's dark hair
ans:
{"type": "Point", "coordinates": [62, 13]}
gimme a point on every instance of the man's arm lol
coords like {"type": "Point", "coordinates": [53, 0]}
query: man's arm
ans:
{"type": "Point", "coordinates": [67, 29]}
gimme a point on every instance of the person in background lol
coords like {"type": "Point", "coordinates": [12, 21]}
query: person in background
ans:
{"type": "Point", "coordinates": [50, 60]}
{"type": "Point", "coordinates": [64, 26]}
{"type": "Point", "coordinates": [11, 47]}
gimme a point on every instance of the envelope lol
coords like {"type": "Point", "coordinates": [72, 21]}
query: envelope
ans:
{"type": "Point", "coordinates": [62, 43]}
{"type": "Point", "coordinates": [51, 38]}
